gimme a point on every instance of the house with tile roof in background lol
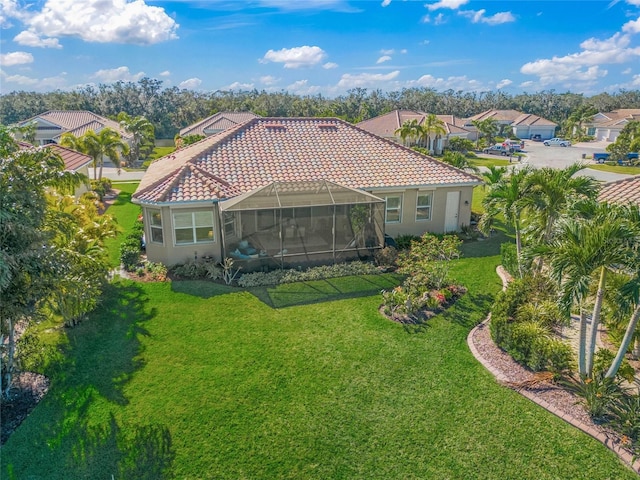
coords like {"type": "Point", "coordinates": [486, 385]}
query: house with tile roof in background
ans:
{"type": "Point", "coordinates": [525, 126]}
{"type": "Point", "coordinates": [292, 191]}
{"type": "Point", "coordinates": [217, 123]}
{"type": "Point", "coordinates": [608, 125]}
{"type": "Point", "coordinates": [51, 125]}
{"type": "Point", "coordinates": [386, 125]}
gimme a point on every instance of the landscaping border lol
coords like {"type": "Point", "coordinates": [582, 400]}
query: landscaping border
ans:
{"type": "Point", "coordinates": [611, 442]}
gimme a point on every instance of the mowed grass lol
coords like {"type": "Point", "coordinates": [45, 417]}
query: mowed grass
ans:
{"type": "Point", "coordinates": [196, 380]}
{"type": "Point", "coordinates": [125, 214]}
{"type": "Point", "coordinates": [616, 168]}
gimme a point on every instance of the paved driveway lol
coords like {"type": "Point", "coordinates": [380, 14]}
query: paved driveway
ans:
{"type": "Point", "coordinates": [537, 155]}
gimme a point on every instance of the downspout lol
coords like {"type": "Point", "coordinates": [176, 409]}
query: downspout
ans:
{"type": "Point", "coordinates": [223, 240]}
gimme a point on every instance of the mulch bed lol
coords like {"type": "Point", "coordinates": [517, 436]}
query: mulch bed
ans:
{"type": "Point", "coordinates": [27, 390]}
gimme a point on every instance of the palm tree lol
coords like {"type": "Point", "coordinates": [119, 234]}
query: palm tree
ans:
{"type": "Point", "coordinates": [459, 160]}
{"type": "Point", "coordinates": [494, 175]}
{"type": "Point", "coordinates": [143, 133]}
{"type": "Point", "coordinates": [486, 128]}
{"type": "Point", "coordinates": [552, 192]}
{"type": "Point", "coordinates": [408, 130]}
{"type": "Point", "coordinates": [431, 125]}
{"type": "Point", "coordinates": [582, 115]}
{"type": "Point", "coordinates": [581, 249]}
{"type": "Point", "coordinates": [507, 197]}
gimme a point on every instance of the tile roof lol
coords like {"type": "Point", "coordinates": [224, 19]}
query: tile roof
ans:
{"type": "Point", "coordinates": [531, 120]}
{"type": "Point", "coordinates": [617, 117]}
{"type": "Point", "coordinates": [72, 160]}
{"type": "Point", "coordinates": [267, 150]}
{"type": "Point", "coordinates": [386, 125]}
{"type": "Point", "coordinates": [217, 122]}
{"type": "Point", "coordinates": [498, 115]}
{"type": "Point", "coordinates": [79, 121]}
{"type": "Point", "coordinates": [624, 191]}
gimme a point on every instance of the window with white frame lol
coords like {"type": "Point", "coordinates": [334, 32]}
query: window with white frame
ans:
{"type": "Point", "coordinates": [393, 213]}
{"type": "Point", "coordinates": [423, 206]}
{"type": "Point", "coordinates": [193, 227]}
{"type": "Point", "coordinates": [155, 226]}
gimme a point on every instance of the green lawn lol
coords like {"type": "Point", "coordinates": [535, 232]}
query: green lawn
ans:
{"type": "Point", "coordinates": [125, 214]}
{"type": "Point", "coordinates": [615, 168]}
{"type": "Point", "coordinates": [487, 162]}
{"type": "Point", "coordinates": [197, 380]}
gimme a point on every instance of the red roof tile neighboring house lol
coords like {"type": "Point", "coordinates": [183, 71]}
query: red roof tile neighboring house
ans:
{"type": "Point", "coordinates": [266, 150]}
{"type": "Point", "coordinates": [51, 125]}
{"type": "Point", "coordinates": [624, 192]}
{"type": "Point", "coordinates": [386, 125]}
{"type": "Point", "coordinates": [216, 123]}
{"type": "Point", "coordinates": [608, 125]}
{"type": "Point", "coordinates": [523, 125]}
{"type": "Point", "coordinates": [73, 161]}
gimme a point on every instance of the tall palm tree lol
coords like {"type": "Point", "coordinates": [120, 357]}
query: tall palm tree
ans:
{"type": "Point", "coordinates": [584, 248]}
{"type": "Point", "coordinates": [143, 133]}
{"type": "Point", "coordinates": [432, 125]}
{"type": "Point", "coordinates": [486, 128]}
{"type": "Point", "coordinates": [552, 192]}
{"type": "Point", "coordinates": [494, 175]}
{"type": "Point", "coordinates": [106, 143]}
{"type": "Point", "coordinates": [507, 197]}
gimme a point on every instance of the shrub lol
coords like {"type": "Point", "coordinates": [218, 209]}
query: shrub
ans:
{"type": "Point", "coordinates": [191, 269]}
{"type": "Point", "coordinates": [524, 340]}
{"type": "Point", "coordinates": [386, 257]}
{"type": "Point", "coordinates": [158, 271]}
{"type": "Point", "coordinates": [603, 360]}
{"type": "Point", "coordinates": [598, 394]}
{"type": "Point", "coordinates": [624, 415]}
{"type": "Point", "coordinates": [130, 254]}
{"type": "Point", "coordinates": [101, 187]}
{"type": "Point", "coordinates": [509, 258]}
{"type": "Point", "coordinates": [277, 277]}
{"type": "Point", "coordinates": [404, 241]}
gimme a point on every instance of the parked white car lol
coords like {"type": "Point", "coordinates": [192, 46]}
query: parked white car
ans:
{"type": "Point", "coordinates": [557, 142]}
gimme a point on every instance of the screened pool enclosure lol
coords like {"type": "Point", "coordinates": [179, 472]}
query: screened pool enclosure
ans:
{"type": "Point", "coordinates": [298, 223]}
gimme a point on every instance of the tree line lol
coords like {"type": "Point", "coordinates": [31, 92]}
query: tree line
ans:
{"type": "Point", "coordinates": [170, 109]}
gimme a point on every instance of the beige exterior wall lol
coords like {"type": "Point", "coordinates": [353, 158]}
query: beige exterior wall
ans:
{"type": "Point", "coordinates": [171, 254]}
{"type": "Point", "coordinates": [84, 170]}
{"type": "Point", "coordinates": [410, 226]}
{"type": "Point", "coordinates": [168, 252]}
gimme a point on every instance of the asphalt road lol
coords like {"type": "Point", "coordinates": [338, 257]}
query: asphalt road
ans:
{"type": "Point", "coordinates": [537, 155]}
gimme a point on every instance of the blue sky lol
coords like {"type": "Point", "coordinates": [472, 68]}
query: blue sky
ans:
{"type": "Point", "coordinates": [323, 46]}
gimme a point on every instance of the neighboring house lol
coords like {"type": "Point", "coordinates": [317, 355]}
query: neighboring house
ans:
{"type": "Point", "coordinates": [607, 126]}
{"type": "Point", "coordinates": [623, 192]}
{"type": "Point", "coordinates": [217, 123]}
{"type": "Point", "coordinates": [523, 125]}
{"type": "Point", "coordinates": [51, 125]}
{"type": "Point", "coordinates": [386, 125]}
{"type": "Point", "coordinates": [73, 162]}
{"type": "Point", "coordinates": [276, 191]}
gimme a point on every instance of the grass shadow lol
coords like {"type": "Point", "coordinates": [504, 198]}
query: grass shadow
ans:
{"type": "Point", "coordinates": [202, 288]}
{"type": "Point", "coordinates": [469, 310]}
{"type": "Point", "coordinates": [100, 357]}
{"type": "Point", "coordinates": [318, 291]}
{"type": "Point", "coordinates": [488, 247]}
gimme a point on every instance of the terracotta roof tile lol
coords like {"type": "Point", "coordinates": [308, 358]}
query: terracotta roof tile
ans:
{"type": "Point", "coordinates": [79, 121]}
{"type": "Point", "coordinates": [625, 192]}
{"type": "Point", "coordinates": [265, 150]}
{"type": "Point", "coordinates": [217, 122]}
{"type": "Point", "coordinates": [72, 160]}
{"type": "Point", "coordinates": [386, 125]}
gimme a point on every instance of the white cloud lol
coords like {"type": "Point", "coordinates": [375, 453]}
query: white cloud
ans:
{"type": "Point", "coordinates": [632, 26]}
{"type": "Point", "coordinates": [456, 83]}
{"type": "Point", "coordinates": [102, 21]}
{"type": "Point", "coordinates": [117, 74]}
{"type": "Point", "coordinates": [330, 65]}
{"type": "Point", "coordinates": [190, 83]}
{"type": "Point", "coordinates": [586, 65]}
{"type": "Point", "coordinates": [384, 58]}
{"type": "Point", "coordinates": [166, 73]}
{"type": "Point", "coordinates": [385, 3]}
{"type": "Point", "coordinates": [15, 58]}
{"type": "Point", "coordinates": [239, 86]}
{"type": "Point", "coordinates": [31, 39]}
{"type": "Point", "coordinates": [450, 4]}
{"type": "Point", "coordinates": [503, 83]}
{"type": "Point", "coordinates": [301, 87]}
{"type": "Point", "coordinates": [404, 51]}
{"type": "Point", "coordinates": [626, 71]}
{"type": "Point", "coordinates": [479, 17]}
{"type": "Point", "coordinates": [296, 57]}
{"type": "Point", "coordinates": [269, 80]}
{"type": "Point", "coordinates": [366, 79]}
{"type": "Point", "coordinates": [387, 52]}
{"type": "Point", "coordinates": [47, 83]}
{"type": "Point", "coordinates": [634, 2]}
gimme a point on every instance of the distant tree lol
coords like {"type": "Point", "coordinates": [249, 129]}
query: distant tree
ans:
{"type": "Point", "coordinates": [459, 160]}
{"type": "Point", "coordinates": [432, 126]}
{"type": "Point", "coordinates": [143, 137]}
{"type": "Point", "coordinates": [107, 143]}
{"type": "Point", "coordinates": [410, 130]}
{"type": "Point", "coordinates": [628, 141]}
{"type": "Point", "coordinates": [487, 128]}
{"type": "Point", "coordinates": [459, 144]}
